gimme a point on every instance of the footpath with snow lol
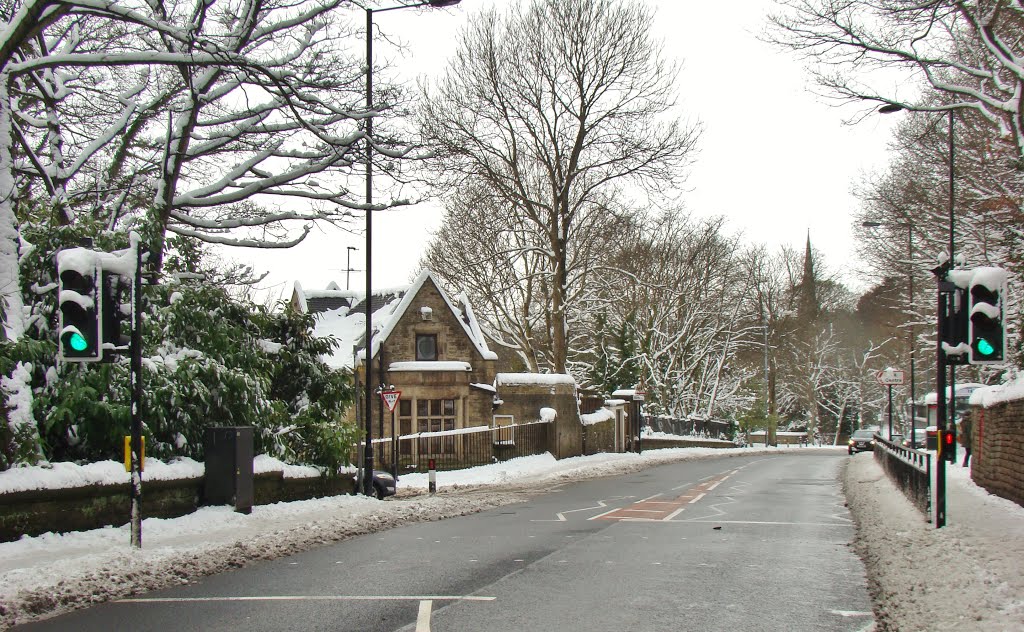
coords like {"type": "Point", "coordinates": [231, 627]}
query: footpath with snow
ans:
{"type": "Point", "coordinates": [964, 577]}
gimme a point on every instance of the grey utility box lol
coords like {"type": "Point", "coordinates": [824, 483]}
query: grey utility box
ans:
{"type": "Point", "coordinates": [229, 479]}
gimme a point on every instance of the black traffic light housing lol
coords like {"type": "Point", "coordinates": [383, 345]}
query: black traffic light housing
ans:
{"type": "Point", "coordinates": [948, 442]}
{"type": "Point", "coordinates": [956, 326]}
{"type": "Point", "coordinates": [987, 332]}
{"type": "Point", "coordinates": [79, 304]}
{"type": "Point", "coordinates": [116, 323]}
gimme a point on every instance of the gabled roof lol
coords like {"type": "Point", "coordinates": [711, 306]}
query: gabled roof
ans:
{"type": "Point", "coordinates": [342, 314]}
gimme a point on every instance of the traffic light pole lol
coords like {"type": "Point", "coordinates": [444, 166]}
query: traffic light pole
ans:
{"type": "Point", "coordinates": [136, 400]}
{"type": "Point", "coordinates": [940, 403]}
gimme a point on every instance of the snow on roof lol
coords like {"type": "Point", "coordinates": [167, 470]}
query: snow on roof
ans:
{"type": "Point", "coordinates": [410, 296]}
{"type": "Point", "coordinates": [627, 393]}
{"type": "Point", "coordinates": [430, 366]}
{"type": "Point", "coordinates": [347, 321]}
{"type": "Point", "coordinates": [525, 379]}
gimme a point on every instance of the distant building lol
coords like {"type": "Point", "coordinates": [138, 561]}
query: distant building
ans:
{"type": "Point", "coordinates": [425, 344]}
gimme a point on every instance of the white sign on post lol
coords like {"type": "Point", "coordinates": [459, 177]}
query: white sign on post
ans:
{"type": "Point", "coordinates": [391, 399]}
{"type": "Point", "coordinates": [889, 377]}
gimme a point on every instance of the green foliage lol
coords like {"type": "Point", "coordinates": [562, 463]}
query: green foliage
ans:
{"type": "Point", "coordinates": [756, 418]}
{"type": "Point", "coordinates": [209, 359]}
{"type": "Point", "coordinates": [614, 365]}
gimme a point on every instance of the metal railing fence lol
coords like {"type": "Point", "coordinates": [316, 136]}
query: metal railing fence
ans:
{"type": "Point", "coordinates": [457, 449]}
{"type": "Point", "coordinates": [694, 426]}
{"type": "Point", "coordinates": [910, 470]}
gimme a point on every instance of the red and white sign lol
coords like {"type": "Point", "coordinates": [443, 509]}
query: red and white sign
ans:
{"type": "Point", "coordinates": [391, 399]}
{"type": "Point", "coordinates": [889, 377]}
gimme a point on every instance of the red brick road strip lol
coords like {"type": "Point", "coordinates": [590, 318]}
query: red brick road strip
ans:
{"type": "Point", "coordinates": [653, 510]}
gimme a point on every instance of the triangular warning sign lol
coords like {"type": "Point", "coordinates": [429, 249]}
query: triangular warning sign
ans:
{"type": "Point", "coordinates": [391, 398]}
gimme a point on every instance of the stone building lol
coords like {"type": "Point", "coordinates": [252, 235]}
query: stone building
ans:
{"type": "Point", "coordinates": [425, 345]}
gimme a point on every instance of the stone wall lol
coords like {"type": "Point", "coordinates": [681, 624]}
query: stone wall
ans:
{"type": "Point", "coordinates": [997, 455]}
{"type": "Point", "coordinates": [34, 512]}
{"type": "Point", "coordinates": [599, 437]}
{"type": "Point", "coordinates": [524, 395]}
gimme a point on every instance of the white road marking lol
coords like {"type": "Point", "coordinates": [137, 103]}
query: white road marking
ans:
{"type": "Point", "coordinates": [696, 498]}
{"type": "Point", "coordinates": [852, 613]}
{"type": "Point", "coordinates": [423, 618]}
{"type": "Point", "coordinates": [561, 515]}
{"type": "Point", "coordinates": [310, 598]}
{"type": "Point", "coordinates": [673, 514]}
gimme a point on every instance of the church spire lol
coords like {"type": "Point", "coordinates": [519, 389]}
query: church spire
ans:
{"type": "Point", "coordinates": [808, 306]}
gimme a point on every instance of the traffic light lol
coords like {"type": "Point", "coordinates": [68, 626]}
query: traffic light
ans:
{"type": "Point", "coordinates": [948, 452]}
{"type": "Point", "coordinates": [987, 336]}
{"type": "Point", "coordinates": [956, 326]}
{"type": "Point", "coordinates": [79, 304]}
{"type": "Point", "coordinates": [116, 314]}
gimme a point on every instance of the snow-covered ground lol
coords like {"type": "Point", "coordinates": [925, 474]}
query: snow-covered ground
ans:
{"type": "Point", "coordinates": [964, 577]}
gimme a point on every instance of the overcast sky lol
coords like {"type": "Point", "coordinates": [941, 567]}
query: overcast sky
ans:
{"type": "Point", "coordinates": [775, 159]}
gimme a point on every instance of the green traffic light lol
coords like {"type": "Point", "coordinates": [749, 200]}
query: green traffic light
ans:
{"type": "Point", "coordinates": [985, 347]}
{"type": "Point", "coordinates": [77, 341]}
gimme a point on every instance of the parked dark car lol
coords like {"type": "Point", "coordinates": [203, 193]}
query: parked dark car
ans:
{"type": "Point", "coordinates": [862, 441]}
{"type": "Point", "coordinates": [384, 484]}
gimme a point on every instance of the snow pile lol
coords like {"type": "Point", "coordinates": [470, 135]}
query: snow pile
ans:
{"type": "Point", "coordinates": [65, 475]}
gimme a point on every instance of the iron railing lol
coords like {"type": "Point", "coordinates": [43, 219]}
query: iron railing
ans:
{"type": "Point", "coordinates": [910, 470]}
{"type": "Point", "coordinates": [457, 449]}
{"type": "Point", "coordinates": [694, 426]}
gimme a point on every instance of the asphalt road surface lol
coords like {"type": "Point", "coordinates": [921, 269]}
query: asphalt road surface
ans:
{"type": "Point", "coordinates": [742, 543]}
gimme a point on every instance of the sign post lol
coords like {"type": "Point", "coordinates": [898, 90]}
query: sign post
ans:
{"type": "Point", "coordinates": [889, 377]}
{"type": "Point", "coordinates": [390, 398]}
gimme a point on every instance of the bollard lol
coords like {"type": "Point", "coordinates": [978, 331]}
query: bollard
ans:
{"type": "Point", "coordinates": [431, 476]}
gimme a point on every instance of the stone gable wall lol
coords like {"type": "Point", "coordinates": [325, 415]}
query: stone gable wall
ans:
{"type": "Point", "coordinates": [997, 455]}
{"type": "Point", "coordinates": [453, 345]}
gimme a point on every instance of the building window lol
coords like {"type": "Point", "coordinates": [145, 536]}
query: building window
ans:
{"type": "Point", "coordinates": [435, 415]}
{"type": "Point", "coordinates": [405, 426]}
{"type": "Point", "coordinates": [426, 347]}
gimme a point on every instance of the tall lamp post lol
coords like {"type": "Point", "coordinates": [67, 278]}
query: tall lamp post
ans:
{"type": "Point", "coordinates": [367, 478]}
{"type": "Point", "coordinates": [945, 299]}
{"type": "Point", "coordinates": [910, 333]}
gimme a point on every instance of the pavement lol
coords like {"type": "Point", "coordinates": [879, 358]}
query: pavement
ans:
{"type": "Point", "coordinates": [964, 576]}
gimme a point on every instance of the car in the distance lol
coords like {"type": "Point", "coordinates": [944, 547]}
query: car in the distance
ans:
{"type": "Point", "coordinates": [862, 440]}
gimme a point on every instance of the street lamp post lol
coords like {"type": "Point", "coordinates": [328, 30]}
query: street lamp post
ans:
{"type": "Point", "coordinates": [944, 306]}
{"type": "Point", "coordinates": [367, 479]}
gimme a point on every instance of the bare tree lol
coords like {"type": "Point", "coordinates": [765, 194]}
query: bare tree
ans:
{"type": "Point", "coordinates": [969, 52]}
{"type": "Point", "coordinates": [553, 107]}
{"type": "Point", "coordinates": [680, 296]}
{"type": "Point", "coordinates": [238, 123]}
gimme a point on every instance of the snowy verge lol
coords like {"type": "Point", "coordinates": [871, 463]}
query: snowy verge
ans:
{"type": "Point", "coordinates": [965, 576]}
